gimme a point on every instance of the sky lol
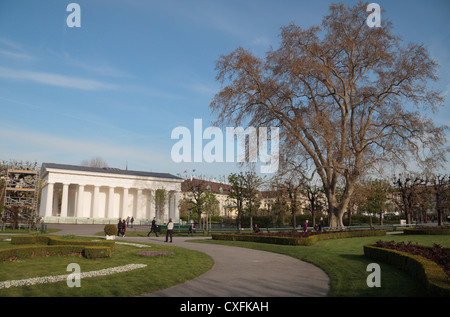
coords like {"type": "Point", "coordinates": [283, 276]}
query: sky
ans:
{"type": "Point", "coordinates": [118, 85]}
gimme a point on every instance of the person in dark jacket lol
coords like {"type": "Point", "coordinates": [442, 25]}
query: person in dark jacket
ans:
{"type": "Point", "coordinates": [153, 228]}
{"type": "Point", "coordinates": [124, 228]}
{"type": "Point", "coordinates": [321, 224]}
{"type": "Point", "coordinates": [119, 227]}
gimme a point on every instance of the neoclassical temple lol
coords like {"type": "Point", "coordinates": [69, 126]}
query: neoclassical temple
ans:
{"type": "Point", "coordinates": [79, 194]}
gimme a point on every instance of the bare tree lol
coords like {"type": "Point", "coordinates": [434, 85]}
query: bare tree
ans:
{"type": "Point", "coordinates": [342, 94]}
{"type": "Point", "coordinates": [440, 189]}
{"type": "Point", "coordinates": [408, 188]}
{"type": "Point", "coordinates": [94, 162]}
{"type": "Point", "coordinates": [199, 196]}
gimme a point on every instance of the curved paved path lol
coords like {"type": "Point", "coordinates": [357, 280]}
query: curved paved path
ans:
{"type": "Point", "coordinates": [238, 272]}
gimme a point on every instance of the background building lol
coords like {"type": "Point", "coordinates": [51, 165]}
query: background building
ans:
{"type": "Point", "coordinates": [77, 194]}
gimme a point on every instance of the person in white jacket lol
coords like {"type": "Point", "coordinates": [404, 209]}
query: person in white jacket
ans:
{"type": "Point", "coordinates": [169, 230]}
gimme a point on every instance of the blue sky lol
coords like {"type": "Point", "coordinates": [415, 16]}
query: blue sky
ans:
{"type": "Point", "coordinates": [117, 86]}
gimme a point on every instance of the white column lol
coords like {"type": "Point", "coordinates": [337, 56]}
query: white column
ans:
{"type": "Point", "coordinates": [80, 195]}
{"type": "Point", "coordinates": [152, 204]}
{"type": "Point", "coordinates": [138, 213]}
{"type": "Point", "coordinates": [170, 205]}
{"type": "Point", "coordinates": [95, 202]}
{"type": "Point", "coordinates": [43, 201]}
{"type": "Point", "coordinates": [125, 204]}
{"type": "Point", "coordinates": [55, 201]}
{"type": "Point", "coordinates": [110, 212]}
{"type": "Point", "coordinates": [177, 203]}
{"type": "Point", "coordinates": [49, 200]}
{"type": "Point", "coordinates": [65, 200]}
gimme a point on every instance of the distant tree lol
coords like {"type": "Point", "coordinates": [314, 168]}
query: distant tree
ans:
{"type": "Point", "coordinates": [237, 194]}
{"type": "Point", "coordinates": [94, 162]}
{"type": "Point", "coordinates": [407, 188]}
{"type": "Point", "coordinates": [290, 185]}
{"type": "Point", "coordinates": [375, 198]}
{"type": "Point", "coordinates": [440, 185]}
{"type": "Point", "coordinates": [160, 199]}
{"type": "Point", "coordinates": [252, 183]}
{"type": "Point", "coordinates": [198, 196]}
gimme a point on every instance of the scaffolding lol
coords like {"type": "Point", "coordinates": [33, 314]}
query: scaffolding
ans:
{"type": "Point", "coordinates": [20, 186]}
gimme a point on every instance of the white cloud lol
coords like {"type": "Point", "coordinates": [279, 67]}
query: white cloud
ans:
{"type": "Point", "coordinates": [54, 79]}
{"type": "Point", "coordinates": [39, 146]}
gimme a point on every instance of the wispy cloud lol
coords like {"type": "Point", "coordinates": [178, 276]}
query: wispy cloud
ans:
{"type": "Point", "coordinates": [44, 147]}
{"type": "Point", "coordinates": [13, 50]}
{"type": "Point", "coordinates": [54, 79]}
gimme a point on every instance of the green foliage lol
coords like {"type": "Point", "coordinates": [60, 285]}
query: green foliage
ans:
{"type": "Point", "coordinates": [110, 230]}
{"type": "Point", "coordinates": [292, 240]}
{"type": "Point", "coordinates": [430, 231]}
{"type": "Point", "coordinates": [50, 245]}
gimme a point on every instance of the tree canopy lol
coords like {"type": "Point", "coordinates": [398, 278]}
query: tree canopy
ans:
{"type": "Point", "coordinates": [345, 96]}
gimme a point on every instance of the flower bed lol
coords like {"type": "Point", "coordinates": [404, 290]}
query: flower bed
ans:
{"type": "Point", "coordinates": [436, 253]}
{"type": "Point", "coordinates": [53, 246]}
{"type": "Point", "coordinates": [428, 272]}
{"type": "Point", "coordinates": [297, 238]}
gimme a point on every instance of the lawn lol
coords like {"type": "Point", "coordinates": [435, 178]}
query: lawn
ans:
{"type": "Point", "coordinates": [342, 259]}
{"type": "Point", "coordinates": [162, 271]}
{"type": "Point", "coordinates": [344, 262]}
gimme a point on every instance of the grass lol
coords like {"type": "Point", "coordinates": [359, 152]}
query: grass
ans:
{"type": "Point", "coordinates": [344, 262]}
{"type": "Point", "coordinates": [162, 271]}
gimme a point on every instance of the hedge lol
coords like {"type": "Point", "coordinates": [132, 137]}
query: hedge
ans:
{"type": "Point", "coordinates": [431, 231]}
{"type": "Point", "coordinates": [429, 273]}
{"type": "Point", "coordinates": [54, 250]}
{"type": "Point", "coordinates": [56, 246]}
{"type": "Point", "coordinates": [50, 240]}
{"type": "Point", "coordinates": [297, 241]}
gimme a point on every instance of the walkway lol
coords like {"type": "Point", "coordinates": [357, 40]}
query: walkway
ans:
{"type": "Point", "coordinates": [238, 272]}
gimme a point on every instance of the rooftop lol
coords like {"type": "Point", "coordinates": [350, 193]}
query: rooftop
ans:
{"type": "Point", "coordinates": [107, 170]}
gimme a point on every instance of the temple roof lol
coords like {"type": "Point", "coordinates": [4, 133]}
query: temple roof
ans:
{"type": "Point", "coordinates": [107, 170]}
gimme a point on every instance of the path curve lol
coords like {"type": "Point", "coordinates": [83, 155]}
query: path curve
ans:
{"type": "Point", "coordinates": [238, 272]}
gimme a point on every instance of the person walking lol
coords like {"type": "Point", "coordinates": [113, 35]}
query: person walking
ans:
{"type": "Point", "coordinates": [321, 224]}
{"type": "Point", "coordinates": [153, 228]}
{"type": "Point", "coordinates": [124, 227]}
{"type": "Point", "coordinates": [169, 230]}
{"type": "Point", "coordinates": [119, 227]}
{"type": "Point", "coordinates": [132, 220]}
{"type": "Point", "coordinates": [192, 230]}
{"type": "Point", "coordinates": [305, 226]}
{"type": "Point", "coordinates": [128, 221]}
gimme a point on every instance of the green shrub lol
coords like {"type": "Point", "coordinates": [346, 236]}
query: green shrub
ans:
{"type": "Point", "coordinates": [39, 251]}
{"type": "Point", "coordinates": [306, 241]}
{"type": "Point", "coordinates": [50, 245]}
{"type": "Point", "coordinates": [96, 252]}
{"type": "Point", "coordinates": [430, 274]}
{"type": "Point", "coordinates": [50, 240]}
{"type": "Point", "coordinates": [431, 231]}
{"type": "Point", "coordinates": [30, 239]}
{"type": "Point", "coordinates": [110, 230]}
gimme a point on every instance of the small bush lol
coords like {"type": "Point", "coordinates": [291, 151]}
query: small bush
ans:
{"type": "Point", "coordinates": [110, 230]}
